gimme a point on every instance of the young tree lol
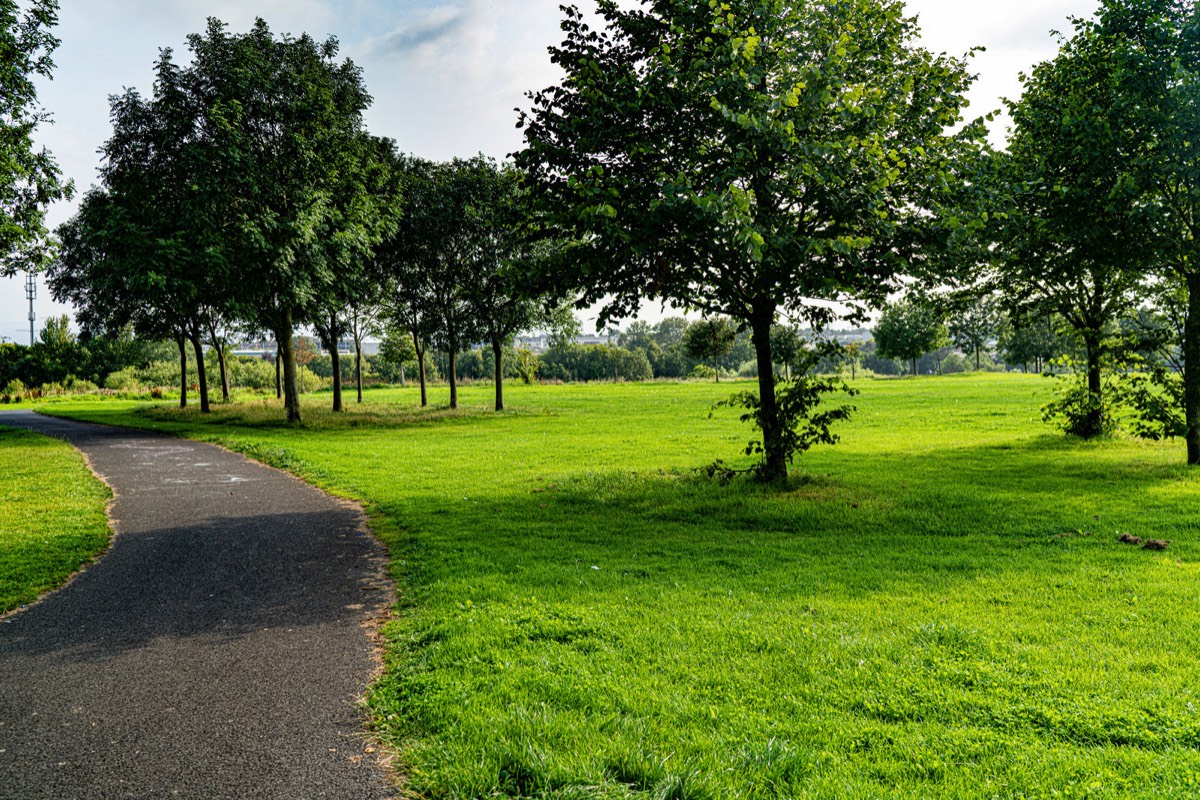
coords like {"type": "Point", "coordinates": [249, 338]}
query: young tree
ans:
{"type": "Point", "coordinates": [29, 178]}
{"type": "Point", "coordinates": [976, 324]}
{"type": "Point", "coordinates": [745, 158]}
{"type": "Point", "coordinates": [497, 250]}
{"type": "Point", "coordinates": [786, 347]}
{"type": "Point", "coordinates": [908, 330]}
{"type": "Point", "coordinates": [1030, 340]}
{"type": "Point", "coordinates": [709, 339]}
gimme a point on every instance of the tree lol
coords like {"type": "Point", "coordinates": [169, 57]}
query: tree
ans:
{"type": "Point", "coordinates": [1076, 242]}
{"type": "Point", "coordinates": [282, 147]}
{"type": "Point", "coordinates": [786, 347]}
{"type": "Point", "coordinates": [497, 250]}
{"type": "Point", "coordinates": [746, 158]}
{"type": "Point", "coordinates": [1030, 340]}
{"type": "Point", "coordinates": [29, 178]}
{"type": "Point", "coordinates": [1154, 50]}
{"type": "Point", "coordinates": [908, 330]}
{"type": "Point", "coordinates": [973, 326]}
{"type": "Point", "coordinates": [431, 258]}
{"type": "Point", "coordinates": [709, 339]}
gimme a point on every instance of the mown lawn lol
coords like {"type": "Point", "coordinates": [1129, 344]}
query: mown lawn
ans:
{"type": "Point", "coordinates": [937, 607]}
{"type": "Point", "coordinates": [52, 518]}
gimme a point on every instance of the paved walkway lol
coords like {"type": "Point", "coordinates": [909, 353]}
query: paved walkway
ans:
{"type": "Point", "coordinates": [216, 651]}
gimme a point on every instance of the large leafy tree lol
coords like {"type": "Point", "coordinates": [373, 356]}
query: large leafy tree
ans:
{"type": "Point", "coordinates": [747, 158]}
{"type": "Point", "coordinates": [29, 176]}
{"type": "Point", "coordinates": [1076, 242]}
{"type": "Point", "coordinates": [1154, 51]}
{"type": "Point", "coordinates": [284, 155]}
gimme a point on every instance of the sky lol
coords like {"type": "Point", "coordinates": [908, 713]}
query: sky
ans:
{"type": "Point", "coordinates": [446, 75]}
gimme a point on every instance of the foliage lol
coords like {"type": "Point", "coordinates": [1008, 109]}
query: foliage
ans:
{"type": "Point", "coordinates": [594, 362]}
{"type": "Point", "coordinates": [30, 178]}
{"type": "Point", "coordinates": [746, 158]}
{"type": "Point", "coordinates": [709, 339]}
{"type": "Point", "coordinates": [1155, 402]}
{"type": "Point", "coordinates": [787, 347]}
{"type": "Point", "coordinates": [908, 330]}
{"type": "Point", "coordinates": [1032, 340]}
{"type": "Point", "coordinates": [1076, 241]}
{"type": "Point", "coordinates": [972, 326]}
{"type": "Point", "coordinates": [798, 401]}
{"type": "Point", "coordinates": [1078, 410]}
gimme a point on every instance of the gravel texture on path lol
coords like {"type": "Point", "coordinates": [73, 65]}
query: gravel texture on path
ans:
{"type": "Point", "coordinates": [217, 650]}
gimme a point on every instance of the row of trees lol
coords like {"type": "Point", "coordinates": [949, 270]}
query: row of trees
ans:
{"type": "Point", "coordinates": [754, 159]}
{"type": "Point", "coordinates": [246, 194]}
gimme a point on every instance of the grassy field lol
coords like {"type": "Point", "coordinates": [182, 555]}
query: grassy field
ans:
{"type": "Point", "coordinates": [52, 518]}
{"type": "Point", "coordinates": [938, 607]}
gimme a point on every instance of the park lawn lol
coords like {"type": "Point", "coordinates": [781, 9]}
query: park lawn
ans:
{"type": "Point", "coordinates": [936, 607]}
{"type": "Point", "coordinates": [52, 515]}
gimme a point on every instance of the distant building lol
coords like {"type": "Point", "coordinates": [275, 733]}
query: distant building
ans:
{"type": "Point", "coordinates": [540, 343]}
{"type": "Point", "coordinates": [266, 348]}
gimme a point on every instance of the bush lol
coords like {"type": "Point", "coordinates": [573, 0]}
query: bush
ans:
{"type": "Point", "coordinates": [954, 363]}
{"type": "Point", "coordinates": [14, 391]}
{"type": "Point", "coordinates": [575, 362]}
{"type": "Point", "coordinates": [124, 380]}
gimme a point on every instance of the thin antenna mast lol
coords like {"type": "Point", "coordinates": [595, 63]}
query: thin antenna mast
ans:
{"type": "Point", "coordinates": [31, 295]}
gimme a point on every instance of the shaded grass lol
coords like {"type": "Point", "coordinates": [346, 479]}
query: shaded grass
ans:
{"type": "Point", "coordinates": [936, 608]}
{"type": "Point", "coordinates": [52, 515]}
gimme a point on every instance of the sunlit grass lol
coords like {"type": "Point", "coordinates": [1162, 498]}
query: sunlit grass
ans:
{"type": "Point", "coordinates": [936, 607]}
{"type": "Point", "coordinates": [52, 517]}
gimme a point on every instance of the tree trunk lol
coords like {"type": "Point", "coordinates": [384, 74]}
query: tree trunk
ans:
{"type": "Point", "coordinates": [453, 378]}
{"type": "Point", "coordinates": [358, 367]}
{"type": "Point", "coordinates": [291, 395]}
{"type": "Point", "coordinates": [914, 367]}
{"type": "Point", "coordinates": [217, 346]}
{"type": "Point", "coordinates": [335, 361]}
{"type": "Point", "coordinates": [224, 372]}
{"type": "Point", "coordinates": [179, 340]}
{"type": "Point", "coordinates": [1191, 368]}
{"type": "Point", "coordinates": [1094, 421]}
{"type": "Point", "coordinates": [278, 366]}
{"type": "Point", "coordinates": [421, 372]}
{"type": "Point", "coordinates": [977, 358]}
{"type": "Point", "coordinates": [201, 377]}
{"type": "Point", "coordinates": [498, 370]}
{"type": "Point", "coordinates": [774, 466]}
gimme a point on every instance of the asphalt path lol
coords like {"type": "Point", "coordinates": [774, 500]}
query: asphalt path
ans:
{"type": "Point", "coordinates": [217, 650]}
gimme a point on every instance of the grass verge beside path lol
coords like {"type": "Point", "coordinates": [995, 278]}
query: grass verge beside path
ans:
{"type": "Point", "coordinates": [937, 607]}
{"type": "Point", "coordinates": [52, 515]}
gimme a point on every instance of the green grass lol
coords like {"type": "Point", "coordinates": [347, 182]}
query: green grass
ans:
{"type": "Point", "coordinates": [937, 607]}
{"type": "Point", "coordinates": [52, 515]}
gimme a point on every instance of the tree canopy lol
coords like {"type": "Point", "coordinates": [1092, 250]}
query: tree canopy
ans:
{"type": "Point", "coordinates": [29, 176]}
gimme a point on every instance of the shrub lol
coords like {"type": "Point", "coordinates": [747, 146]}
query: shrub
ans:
{"type": "Point", "coordinates": [14, 391]}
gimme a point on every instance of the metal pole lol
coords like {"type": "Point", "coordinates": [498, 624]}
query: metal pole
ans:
{"type": "Point", "coordinates": [31, 295]}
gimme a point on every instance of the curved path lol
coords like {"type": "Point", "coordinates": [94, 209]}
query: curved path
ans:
{"type": "Point", "coordinates": [216, 651]}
